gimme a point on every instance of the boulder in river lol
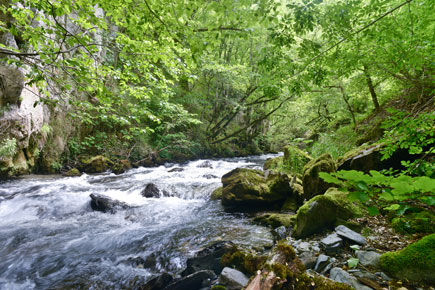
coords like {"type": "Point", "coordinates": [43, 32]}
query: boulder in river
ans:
{"type": "Point", "coordinates": [209, 258]}
{"type": "Point", "coordinates": [72, 172]}
{"type": "Point", "coordinates": [96, 164]}
{"type": "Point", "coordinates": [151, 190]}
{"type": "Point", "coordinates": [323, 211]}
{"type": "Point", "coordinates": [176, 169]}
{"type": "Point", "coordinates": [244, 187]}
{"type": "Point", "coordinates": [313, 184]}
{"type": "Point", "coordinates": [205, 164]}
{"type": "Point", "coordinates": [121, 166]}
{"type": "Point", "coordinates": [105, 204]}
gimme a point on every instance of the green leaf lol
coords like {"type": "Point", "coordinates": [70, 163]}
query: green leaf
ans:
{"type": "Point", "coordinates": [352, 263]}
{"type": "Point", "coordinates": [373, 210]}
{"type": "Point", "coordinates": [392, 207]}
{"type": "Point", "coordinates": [361, 185]}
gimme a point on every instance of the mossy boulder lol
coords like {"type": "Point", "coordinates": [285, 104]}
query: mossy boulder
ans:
{"type": "Point", "coordinates": [322, 212]}
{"type": "Point", "coordinates": [217, 193]}
{"type": "Point", "coordinates": [72, 172]}
{"type": "Point", "coordinates": [247, 187]}
{"type": "Point", "coordinates": [295, 159]}
{"type": "Point", "coordinates": [312, 183]}
{"type": "Point", "coordinates": [275, 220]}
{"type": "Point", "coordinates": [415, 262]}
{"type": "Point", "coordinates": [418, 222]}
{"type": "Point", "coordinates": [368, 157]}
{"type": "Point", "coordinates": [121, 166]}
{"type": "Point", "coordinates": [96, 164]}
{"type": "Point", "coordinates": [273, 163]}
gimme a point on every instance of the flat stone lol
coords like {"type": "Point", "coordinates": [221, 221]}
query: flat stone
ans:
{"type": "Point", "coordinates": [348, 234]}
{"type": "Point", "coordinates": [321, 263]}
{"type": "Point", "coordinates": [233, 279]}
{"type": "Point", "coordinates": [332, 243]}
{"type": "Point", "coordinates": [368, 258]}
{"type": "Point", "coordinates": [339, 275]}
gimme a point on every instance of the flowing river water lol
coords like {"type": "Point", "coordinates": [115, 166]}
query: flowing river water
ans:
{"type": "Point", "coordinates": [50, 238]}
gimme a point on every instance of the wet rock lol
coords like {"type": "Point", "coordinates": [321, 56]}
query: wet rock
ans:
{"type": "Point", "coordinates": [105, 204]}
{"type": "Point", "coordinates": [322, 212]}
{"type": "Point", "coordinates": [205, 164]}
{"type": "Point", "coordinates": [151, 190]}
{"type": "Point", "coordinates": [209, 258]}
{"type": "Point", "coordinates": [176, 169]}
{"type": "Point", "coordinates": [233, 279]}
{"type": "Point", "coordinates": [321, 263]}
{"type": "Point", "coordinates": [158, 283]}
{"type": "Point", "coordinates": [194, 281]}
{"type": "Point", "coordinates": [368, 258]}
{"type": "Point", "coordinates": [274, 220]}
{"type": "Point", "coordinates": [244, 188]}
{"type": "Point", "coordinates": [332, 243]}
{"type": "Point", "coordinates": [121, 166]}
{"type": "Point", "coordinates": [72, 172]}
{"type": "Point", "coordinates": [209, 176]}
{"type": "Point", "coordinates": [308, 259]}
{"type": "Point", "coordinates": [217, 193]}
{"type": "Point", "coordinates": [350, 235]}
{"type": "Point", "coordinates": [312, 183]}
{"type": "Point", "coordinates": [280, 232]}
{"type": "Point", "coordinates": [339, 275]}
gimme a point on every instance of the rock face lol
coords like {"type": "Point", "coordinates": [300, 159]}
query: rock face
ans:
{"type": "Point", "coordinates": [415, 262]}
{"type": "Point", "coordinates": [11, 85]}
{"type": "Point", "coordinates": [339, 275]}
{"type": "Point", "coordinates": [209, 258]}
{"type": "Point", "coordinates": [105, 204]}
{"type": "Point", "coordinates": [322, 212]}
{"type": "Point", "coordinates": [233, 279]}
{"type": "Point", "coordinates": [313, 184]}
{"type": "Point", "coordinates": [247, 187]}
{"type": "Point", "coordinates": [194, 281]}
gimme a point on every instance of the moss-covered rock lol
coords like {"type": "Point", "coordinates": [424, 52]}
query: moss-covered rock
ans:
{"type": "Point", "coordinates": [312, 183]}
{"type": "Point", "coordinates": [415, 262]}
{"type": "Point", "coordinates": [273, 163]}
{"type": "Point", "coordinates": [96, 164]}
{"type": "Point", "coordinates": [275, 220]}
{"type": "Point", "coordinates": [323, 211]}
{"type": "Point", "coordinates": [247, 187]}
{"type": "Point", "coordinates": [217, 193]}
{"type": "Point", "coordinates": [72, 172]}
{"type": "Point", "coordinates": [121, 166]}
{"type": "Point", "coordinates": [295, 159]}
{"type": "Point", "coordinates": [245, 262]}
{"type": "Point", "coordinates": [418, 222]}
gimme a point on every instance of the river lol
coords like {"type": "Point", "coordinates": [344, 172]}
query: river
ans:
{"type": "Point", "coordinates": [50, 238]}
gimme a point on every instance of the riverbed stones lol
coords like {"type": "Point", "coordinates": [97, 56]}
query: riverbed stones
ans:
{"type": "Point", "coordinates": [322, 212]}
{"type": "Point", "coordinates": [332, 243]}
{"type": "Point", "coordinates": [106, 204]}
{"type": "Point", "coordinates": [193, 281]}
{"type": "Point", "coordinates": [209, 258]}
{"type": "Point", "coordinates": [368, 258]}
{"type": "Point", "coordinates": [340, 275]}
{"type": "Point", "coordinates": [350, 235]}
{"type": "Point", "coordinates": [233, 279]}
{"type": "Point", "coordinates": [312, 183]}
{"type": "Point", "coordinates": [321, 263]}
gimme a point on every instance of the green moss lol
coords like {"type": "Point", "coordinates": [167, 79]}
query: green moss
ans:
{"type": "Point", "coordinates": [217, 193]}
{"type": "Point", "coordinates": [287, 250]}
{"type": "Point", "coordinates": [312, 183]}
{"type": "Point", "coordinates": [274, 220]}
{"type": "Point", "coordinates": [242, 261]}
{"type": "Point", "coordinates": [273, 163]}
{"type": "Point", "coordinates": [218, 287]}
{"type": "Point", "coordinates": [73, 172]}
{"type": "Point", "coordinates": [415, 262]}
{"type": "Point", "coordinates": [323, 211]}
{"type": "Point", "coordinates": [419, 222]}
{"type": "Point", "coordinates": [294, 159]}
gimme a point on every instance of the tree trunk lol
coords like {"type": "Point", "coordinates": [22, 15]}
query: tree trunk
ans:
{"type": "Point", "coordinates": [371, 88]}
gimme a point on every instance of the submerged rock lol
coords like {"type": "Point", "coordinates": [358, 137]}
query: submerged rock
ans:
{"type": "Point", "coordinates": [194, 281]}
{"type": "Point", "coordinates": [415, 262]}
{"type": "Point", "coordinates": [209, 258]}
{"type": "Point", "coordinates": [322, 212]}
{"type": "Point", "coordinates": [176, 169]}
{"type": "Point", "coordinates": [312, 183]}
{"type": "Point", "coordinates": [205, 164]}
{"type": "Point", "coordinates": [233, 279]}
{"type": "Point", "coordinates": [105, 204]}
{"type": "Point", "coordinates": [152, 191]}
